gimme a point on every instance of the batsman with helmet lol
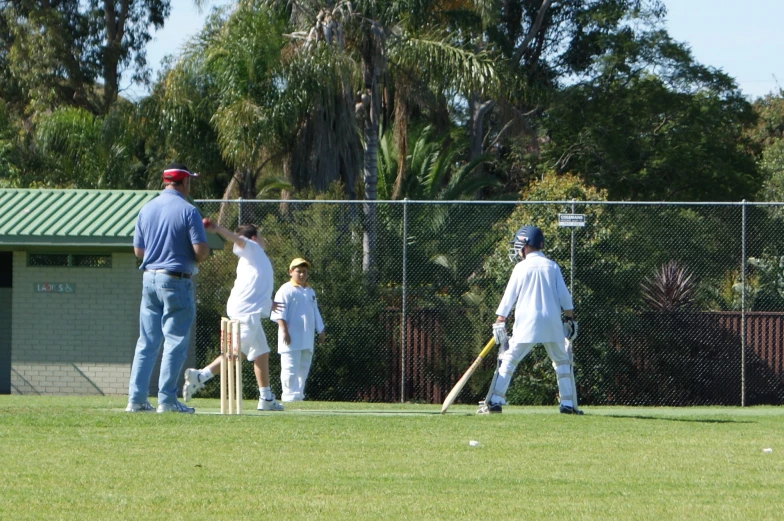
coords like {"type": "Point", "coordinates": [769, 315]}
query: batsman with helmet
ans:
{"type": "Point", "coordinates": [539, 294]}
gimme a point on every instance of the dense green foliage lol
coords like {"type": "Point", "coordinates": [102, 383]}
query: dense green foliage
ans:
{"type": "Point", "coordinates": [268, 97]}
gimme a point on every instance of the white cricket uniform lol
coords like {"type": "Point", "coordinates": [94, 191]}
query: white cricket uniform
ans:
{"type": "Point", "coordinates": [538, 292]}
{"type": "Point", "coordinates": [300, 311]}
{"type": "Point", "coordinates": [251, 297]}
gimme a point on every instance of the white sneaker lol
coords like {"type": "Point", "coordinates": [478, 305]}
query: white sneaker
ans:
{"type": "Point", "coordinates": [269, 405]}
{"type": "Point", "coordinates": [489, 408]}
{"type": "Point", "coordinates": [175, 407]}
{"type": "Point", "coordinates": [193, 383]}
{"type": "Point", "coordinates": [139, 407]}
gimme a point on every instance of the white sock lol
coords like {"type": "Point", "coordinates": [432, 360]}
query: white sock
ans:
{"type": "Point", "coordinates": [206, 374]}
{"type": "Point", "coordinates": [265, 393]}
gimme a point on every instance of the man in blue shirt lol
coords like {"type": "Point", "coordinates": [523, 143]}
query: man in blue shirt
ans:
{"type": "Point", "coordinates": [170, 239]}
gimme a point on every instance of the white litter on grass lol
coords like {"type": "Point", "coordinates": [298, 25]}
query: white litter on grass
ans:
{"type": "Point", "coordinates": [474, 443]}
{"type": "Point", "coordinates": [767, 451]}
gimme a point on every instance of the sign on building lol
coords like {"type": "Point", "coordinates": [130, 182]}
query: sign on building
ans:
{"type": "Point", "coordinates": [55, 287]}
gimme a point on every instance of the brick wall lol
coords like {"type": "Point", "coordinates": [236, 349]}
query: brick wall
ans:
{"type": "Point", "coordinates": [74, 343]}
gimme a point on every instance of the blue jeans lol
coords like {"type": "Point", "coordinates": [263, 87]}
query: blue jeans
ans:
{"type": "Point", "coordinates": [165, 316]}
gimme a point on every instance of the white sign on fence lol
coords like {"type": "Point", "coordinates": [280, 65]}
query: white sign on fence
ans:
{"type": "Point", "coordinates": [571, 219]}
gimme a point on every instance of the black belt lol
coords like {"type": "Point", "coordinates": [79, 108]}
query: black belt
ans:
{"type": "Point", "coordinates": [175, 274]}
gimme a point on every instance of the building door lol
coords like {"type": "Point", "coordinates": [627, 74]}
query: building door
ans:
{"type": "Point", "coordinates": [6, 280]}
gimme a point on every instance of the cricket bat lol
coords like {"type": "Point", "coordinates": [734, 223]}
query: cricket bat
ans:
{"type": "Point", "coordinates": [452, 396]}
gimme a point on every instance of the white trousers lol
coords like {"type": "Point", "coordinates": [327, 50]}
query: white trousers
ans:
{"type": "Point", "coordinates": [294, 369]}
{"type": "Point", "coordinates": [561, 363]}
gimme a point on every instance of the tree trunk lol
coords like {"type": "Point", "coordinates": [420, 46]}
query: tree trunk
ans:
{"type": "Point", "coordinates": [372, 65]}
{"type": "Point", "coordinates": [477, 111]}
{"type": "Point", "coordinates": [243, 183]}
{"type": "Point", "coordinates": [284, 209]}
{"type": "Point", "coordinates": [115, 17]}
{"type": "Point", "coordinates": [401, 140]}
{"type": "Point", "coordinates": [247, 184]}
{"type": "Point", "coordinates": [370, 176]}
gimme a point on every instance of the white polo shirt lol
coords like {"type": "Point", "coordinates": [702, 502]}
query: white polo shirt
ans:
{"type": "Point", "coordinates": [252, 291]}
{"type": "Point", "coordinates": [538, 292]}
{"type": "Point", "coordinates": [302, 316]}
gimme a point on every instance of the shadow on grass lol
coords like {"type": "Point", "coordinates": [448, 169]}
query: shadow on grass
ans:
{"type": "Point", "coordinates": [671, 419]}
{"type": "Point", "coordinates": [319, 412]}
{"type": "Point", "coordinates": [348, 412]}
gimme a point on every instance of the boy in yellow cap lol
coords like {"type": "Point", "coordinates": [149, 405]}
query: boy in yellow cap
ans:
{"type": "Point", "coordinates": [299, 321]}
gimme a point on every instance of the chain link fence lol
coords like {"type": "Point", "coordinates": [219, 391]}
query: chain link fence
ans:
{"type": "Point", "coordinates": [678, 304]}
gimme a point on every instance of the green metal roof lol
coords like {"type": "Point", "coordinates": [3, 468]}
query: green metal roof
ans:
{"type": "Point", "coordinates": [70, 217]}
{"type": "Point", "coordinates": [73, 218]}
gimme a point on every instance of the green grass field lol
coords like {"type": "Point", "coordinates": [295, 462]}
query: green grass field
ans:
{"type": "Point", "coordinates": [83, 458]}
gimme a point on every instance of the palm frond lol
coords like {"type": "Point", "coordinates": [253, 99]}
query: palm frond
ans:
{"type": "Point", "coordinates": [446, 65]}
{"type": "Point", "coordinates": [463, 183]}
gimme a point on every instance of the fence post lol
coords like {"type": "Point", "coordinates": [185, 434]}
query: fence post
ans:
{"type": "Point", "coordinates": [403, 309]}
{"type": "Point", "coordinates": [743, 307]}
{"type": "Point", "coordinates": [571, 267]}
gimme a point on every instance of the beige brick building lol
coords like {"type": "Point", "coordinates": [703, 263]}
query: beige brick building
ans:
{"type": "Point", "coordinates": [70, 289]}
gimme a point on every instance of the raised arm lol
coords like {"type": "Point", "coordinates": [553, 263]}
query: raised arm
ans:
{"type": "Point", "coordinates": [225, 233]}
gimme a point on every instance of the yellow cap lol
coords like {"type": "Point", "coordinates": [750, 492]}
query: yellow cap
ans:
{"type": "Point", "coordinates": [299, 262]}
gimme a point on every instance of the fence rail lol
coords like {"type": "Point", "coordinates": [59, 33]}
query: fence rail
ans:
{"type": "Point", "coordinates": [406, 318]}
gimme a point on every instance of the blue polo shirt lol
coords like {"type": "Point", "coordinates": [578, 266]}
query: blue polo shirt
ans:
{"type": "Point", "coordinates": [167, 228]}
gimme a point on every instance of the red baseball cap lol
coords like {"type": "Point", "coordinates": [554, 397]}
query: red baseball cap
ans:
{"type": "Point", "coordinates": [177, 172]}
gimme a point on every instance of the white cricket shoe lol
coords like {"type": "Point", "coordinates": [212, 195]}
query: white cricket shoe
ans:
{"type": "Point", "coordinates": [175, 407]}
{"type": "Point", "coordinates": [193, 383]}
{"type": "Point", "coordinates": [489, 408]}
{"type": "Point", "coordinates": [139, 407]}
{"type": "Point", "coordinates": [269, 405]}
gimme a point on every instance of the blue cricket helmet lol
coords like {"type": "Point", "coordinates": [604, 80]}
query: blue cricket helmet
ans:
{"type": "Point", "coordinates": [526, 235]}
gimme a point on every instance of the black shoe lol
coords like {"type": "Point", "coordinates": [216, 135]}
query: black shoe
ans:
{"type": "Point", "coordinates": [566, 409]}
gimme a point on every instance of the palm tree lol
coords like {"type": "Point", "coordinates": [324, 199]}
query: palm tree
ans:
{"type": "Point", "coordinates": [274, 112]}
{"type": "Point", "coordinates": [82, 150]}
{"type": "Point", "coordinates": [216, 104]}
{"type": "Point", "coordinates": [381, 37]}
{"type": "Point", "coordinates": [435, 170]}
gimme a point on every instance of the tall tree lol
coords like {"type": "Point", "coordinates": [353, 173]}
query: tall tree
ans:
{"type": "Point", "coordinates": [382, 36]}
{"type": "Point", "coordinates": [768, 138]}
{"type": "Point", "coordinates": [546, 44]}
{"type": "Point", "coordinates": [126, 32]}
{"type": "Point", "coordinates": [58, 52]}
{"type": "Point", "coordinates": [257, 102]}
{"type": "Point", "coordinates": [652, 124]}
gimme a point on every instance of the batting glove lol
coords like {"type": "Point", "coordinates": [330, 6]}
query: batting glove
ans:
{"type": "Point", "coordinates": [499, 333]}
{"type": "Point", "coordinates": [570, 329]}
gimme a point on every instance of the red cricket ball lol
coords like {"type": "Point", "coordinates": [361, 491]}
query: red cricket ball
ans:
{"type": "Point", "coordinates": [207, 222]}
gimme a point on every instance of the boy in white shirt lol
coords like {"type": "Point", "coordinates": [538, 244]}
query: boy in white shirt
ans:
{"type": "Point", "coordinates": [299, 320]}
{"type": "Point", "coordinates": [539, 294]}
{"type": "Point", "coordinates": [249, 302]}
